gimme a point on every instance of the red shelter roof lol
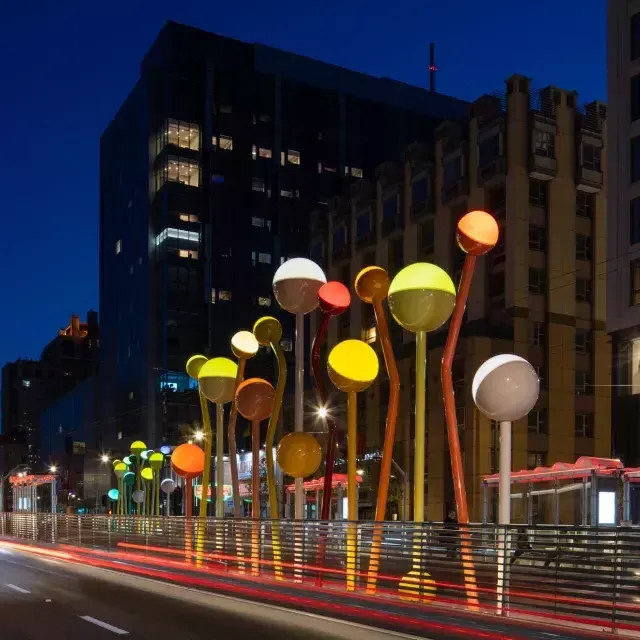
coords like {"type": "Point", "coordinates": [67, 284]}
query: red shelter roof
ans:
{"type": "Point", "coordinates": [314, 485]}
{"type": "Point", "coordinates": [584, 467]}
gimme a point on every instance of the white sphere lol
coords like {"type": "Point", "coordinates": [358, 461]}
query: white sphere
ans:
{"type": "Point", "coordinates": [138, 496]}
{"type": "Point", "coordinates": [505, 387]}
{"type": "Point", "coordinates": [296, 284]}
{"type": "Point", "coordinates": [168, 485]}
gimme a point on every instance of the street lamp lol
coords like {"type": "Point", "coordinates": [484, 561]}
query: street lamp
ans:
{"type": "Point", "coordinates": [322, 412]}
{"type": "Point", "coordinates": [104, 458]}
{"type": "Point", "coordinates": [53, 468]}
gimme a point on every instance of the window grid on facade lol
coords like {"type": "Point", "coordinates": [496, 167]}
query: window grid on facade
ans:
{"type": "Point", "coordinates": [537, 237]}
{"type": "Point", "coordinates": [537, 421]}
{"type": "Point", "coordinates": [583, 290]}
{"type": "Point", "coordinates": [538, 192]}
{"type": "Point", "coordinates": [583, 341]}
{"type": "Point", "coordinates": [584, 205]}
{"type": "Point", "coordinates": [584, 425]}
{"type": "Point", "coordinates": [584, 247]}
{"type": "Point", "coordinates": [545, 144]}
{"type": "Point", "coordinates": [537, 281]}
{"type": "Point", "coordinates": [635, 281]}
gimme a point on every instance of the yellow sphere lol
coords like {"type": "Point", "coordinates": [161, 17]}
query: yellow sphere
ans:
{"type": "Point", "coordinates": [194, 364]}
{"type": "Point", "coordinates": [138, 447]}
{"type": "Point", "coordinates": [267, 330]}
{"type": "Point", "coordinates": [156, 460]}
{"type": "Point", "coordinates": [120, 469]}
{"type": "Point", "coordinates": [147, 474]}
{"type": "Point", "coordinates": [352, 365]}
{"type": "Point", "coordinates": [116, 461]}
{"type": "Point", "coordinates": [422, 297]}
{"type": "Point", "coordinates": [299, 455]}
{"type": "Point", "coordinates": [217, 379]}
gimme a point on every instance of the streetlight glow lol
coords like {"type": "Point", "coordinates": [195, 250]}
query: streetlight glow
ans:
{"type": "Point", "coordinates": [360, 472]}
{"type": "Point", "coordinates": [198, 435]}
{"type": "Point", "coordinates": [322, 412]}
{"type": "Point", "coordinates": [53, 468]}
{"type": "Point", "coordinates": [104, 458]}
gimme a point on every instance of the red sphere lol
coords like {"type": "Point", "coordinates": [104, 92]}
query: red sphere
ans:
{"type": "Point", "coordinates": [334, 298]}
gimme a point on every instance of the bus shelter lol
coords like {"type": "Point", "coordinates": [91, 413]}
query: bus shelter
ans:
{"type": "Point", "coordinates": [313, 496]}
{"type": "Point", "coordinates": [594, 482]}
{"type": "Point", "coordinates": [24, 488]}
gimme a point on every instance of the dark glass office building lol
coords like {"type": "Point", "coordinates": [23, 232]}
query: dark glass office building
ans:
{"type": "Point", "coordinates": [209, 172]}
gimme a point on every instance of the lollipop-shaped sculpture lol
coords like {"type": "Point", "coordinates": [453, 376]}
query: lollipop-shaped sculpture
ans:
{"type": "Point", "coordinates": [187, 461]}
{"type": "Point", "coordinates": [372, 287]}
{"type": "Point", "coordinates": [128, 482]}
{"type": "Point", "coordinates": [147, 478]}
{"type": "Point", "coordinates": [244, 346]}
{"type": "Point", "coordinates": [168, 486]}
{"type": "Point", "coordinates": [156, 462]}
{"type": "Point", "coordinates": [421, 299]}
{"type": "Point", "coordinates": [194, 366]}
{"type": "Point", "coordinates": [334, 299]}
{"type": "Point", "coordinates": [137, 448]}
{"type": "Point", "coordinates": [113, 495]}
{"type": "Point", "coordinates": [268, 332]}
{"type": "Point", "coordinates": [295, 286]}
{"type": "Point", "coordinates": [254, 402]}
{"type": "Point", "coordinates": [119, 469]}
{"type": "Point", "coordinates": [217, 379]}
{"type": "Point", "coordinates": [352, 366]}
{"type": "Point", "coordinates": [477, 234]}
{"type": "Point", "coordinates": [505, 388]}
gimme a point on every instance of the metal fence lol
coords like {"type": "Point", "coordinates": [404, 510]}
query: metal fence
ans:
{"type": "Point", "coordinates": [574, 575]}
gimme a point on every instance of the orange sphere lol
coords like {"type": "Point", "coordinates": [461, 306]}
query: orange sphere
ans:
{"type": "Point", "coordinates": [254, 399]}
{"type": "Point", "coordinates": [299, 454]}
{"type": "Point", "coordinates": [187, 460]}
{"type": "Point", "coordinates": [477, 233]}
{"type": "Point", "coordinates": [372, 282]}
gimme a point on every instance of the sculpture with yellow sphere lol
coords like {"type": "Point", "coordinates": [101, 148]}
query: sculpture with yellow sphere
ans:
{"type": "Point", "coordinates": [216, 379]}
{"type": "Point", "coordinates": [352, 366]}
{"type": "Point", "coordinates": [421, 299]}
{"type": "Point", "coordinates": [136, 449]}
{"type": "Point", "coordinates": [299, 454]}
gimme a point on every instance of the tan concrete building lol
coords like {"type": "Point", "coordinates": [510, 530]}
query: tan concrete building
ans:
{"type": "Point", "coordinates": [536, 162]}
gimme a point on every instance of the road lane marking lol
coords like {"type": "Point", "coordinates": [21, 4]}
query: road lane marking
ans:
{"type": "Point", "coordinates": [16, 588]}
{"type": "Point", "coordinates": [104, 625]}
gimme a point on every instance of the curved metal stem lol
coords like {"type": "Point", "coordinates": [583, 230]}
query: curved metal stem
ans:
{"type": "Point", "coordinates": [457, 470]}
{"type": "Point", "coordinates": [233, 461]}
{"type": "Point", "coordinates": [271, 475]}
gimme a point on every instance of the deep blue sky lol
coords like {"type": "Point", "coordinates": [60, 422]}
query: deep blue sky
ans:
{"type": "Point", "coordinates": [67, 66]}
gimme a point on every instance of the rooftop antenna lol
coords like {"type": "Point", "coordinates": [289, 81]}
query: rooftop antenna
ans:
{"type": "Point", "coordinates": [432, 66]}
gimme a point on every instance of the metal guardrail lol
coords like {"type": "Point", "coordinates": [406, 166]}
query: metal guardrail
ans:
{"type": "Point", "coordinates": [574, 575]}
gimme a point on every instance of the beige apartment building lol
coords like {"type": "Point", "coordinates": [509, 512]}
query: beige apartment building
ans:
{"type": "Point", "coordinates": [536, 161]}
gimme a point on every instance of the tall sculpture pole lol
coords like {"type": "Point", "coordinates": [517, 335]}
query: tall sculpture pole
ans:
{"type": "Point", "coordinates": [334, 299]}
{"type": "Point", "coordinates": [244, 346]}
{"type": "Point", "coordinates": [477, 234]}
{"type": "Point", "coordinates": [254, 402]}
{"type": "Point", "coordinates": [352, 366]}
{"type": "Point", "coordinates": [216, 379]}
{"type": "Point", "coordinates": [137, 448]}
{"type": "Point", "coordinates": [505, 388]}
{"type": "Point", "coordinates": [156, 462]}
{"type": "Point", "coordinates": [421, 299]}
{"type": "Point", "coordinates": [268, 332]}
{"type": "Point", "coordinates": [295, 286]}
{"type": "Point", "coordinates": [372, 287]}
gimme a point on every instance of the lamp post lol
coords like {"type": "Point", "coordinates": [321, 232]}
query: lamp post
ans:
{"type": "Point", "coordinates": [505, 388]}
{"type": "Point", "coordinates": [295, 285]}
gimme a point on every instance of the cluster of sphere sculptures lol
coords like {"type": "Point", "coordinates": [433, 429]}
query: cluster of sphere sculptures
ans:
{"type": "Point", "coordinates": [421, 298]}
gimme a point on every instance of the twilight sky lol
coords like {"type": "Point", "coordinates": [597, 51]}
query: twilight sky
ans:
{"type": "Point", "coordinates": [67, 66]}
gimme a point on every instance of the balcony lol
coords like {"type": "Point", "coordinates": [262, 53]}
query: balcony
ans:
{"type": "Point", "coordinates": [542, 167]}
{"type": "Point", "coordinates": [457, 189]}
{"type": "Point", "coordinates": [496, 168]}
{"type": "Point", "coordinates": [366, 239]}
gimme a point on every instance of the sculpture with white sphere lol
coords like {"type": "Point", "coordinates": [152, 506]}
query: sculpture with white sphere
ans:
{"type": "Point", "coordinates": [505, 388]}
{"type": "Point", "coordinates": [295, 285]}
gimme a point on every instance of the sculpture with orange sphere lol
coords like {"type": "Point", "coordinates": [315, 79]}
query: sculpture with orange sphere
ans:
{"type": "Point", "coordinates": [372, 287]}
{"type": "Point", "coordinates": [477, 234]}
{"type": "Point", "coordinates": [254, 402]}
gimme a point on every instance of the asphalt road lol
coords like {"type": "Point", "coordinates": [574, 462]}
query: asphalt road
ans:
{"type": "Point", "coordinates": [47, 600]}
{"type": "Point", "coordinates": [44, 598]}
